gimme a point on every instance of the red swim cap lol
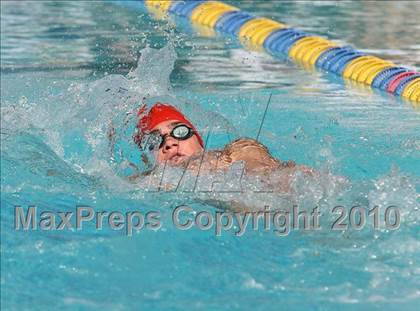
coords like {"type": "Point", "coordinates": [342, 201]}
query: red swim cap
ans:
{"type": "Point", "coordinates": [158, 114]}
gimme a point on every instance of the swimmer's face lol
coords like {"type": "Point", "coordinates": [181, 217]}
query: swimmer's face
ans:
{"type": "Point", "coordinates": [173, 150]}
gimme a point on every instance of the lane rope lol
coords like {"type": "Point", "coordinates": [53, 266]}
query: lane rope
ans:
{"type": "Point", "coordinates": [278, 39]}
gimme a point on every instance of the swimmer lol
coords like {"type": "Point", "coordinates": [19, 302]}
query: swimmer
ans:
{"type": "Point", "coordinates": [175, 141]}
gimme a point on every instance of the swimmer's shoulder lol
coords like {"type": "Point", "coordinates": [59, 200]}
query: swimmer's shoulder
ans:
{"type": "Point", "coordinates": [244, 144]}
{"type": "Point", "coordinates": [255, 155]}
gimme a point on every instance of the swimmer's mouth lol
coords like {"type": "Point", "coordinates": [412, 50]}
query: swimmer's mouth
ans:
{"type": "Point", "coordinates": [177, 158]}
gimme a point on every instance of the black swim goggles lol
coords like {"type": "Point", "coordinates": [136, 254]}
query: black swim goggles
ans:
{"type": "Point", "coordinates": [155, 139]}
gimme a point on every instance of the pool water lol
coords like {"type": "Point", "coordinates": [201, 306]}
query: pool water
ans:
{"type": "Point", "coordinates": [71, 71]}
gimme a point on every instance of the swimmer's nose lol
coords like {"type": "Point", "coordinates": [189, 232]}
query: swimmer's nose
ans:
{"type": "Point", "coordinates": [169, 144]}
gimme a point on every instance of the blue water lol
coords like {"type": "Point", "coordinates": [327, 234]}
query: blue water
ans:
{"type": "Point", "coordinates": [71, 71]}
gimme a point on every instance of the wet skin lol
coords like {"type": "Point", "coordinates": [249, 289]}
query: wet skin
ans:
{"type": "Point", "coordinates": [255, 157]}
{"type": "Point", "coordinates": [187, 152]}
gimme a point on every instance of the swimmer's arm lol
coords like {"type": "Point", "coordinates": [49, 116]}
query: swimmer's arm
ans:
{"type": "Point", "coordinates": [258, 157]}
{"type": "Point", "coordinates": [255, 155]}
